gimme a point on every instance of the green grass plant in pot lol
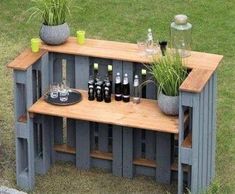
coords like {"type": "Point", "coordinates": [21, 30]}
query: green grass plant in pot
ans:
{"type": "Point", "coordinates": [168, 73]}
{"type": "Point", "coordinates": [54, 30]}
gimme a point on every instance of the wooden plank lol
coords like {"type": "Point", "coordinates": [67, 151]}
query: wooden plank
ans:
{"type": "Point", "coordinates": [196, 80]}
{"type": "Point", "coordinates": [128, 52]}
{"type": "Point", "coordinates": [145, 115]}
{"type": "Point", "coordinates": [127, 170]}
{"type": "Point", "coordinates": [26, 59]}
{"type": "Point", "coordinates": [145, 162]}
{"type": "Point", "coordinates": [117, 150]}
{"type": "Point", "coordinates": [187, 143]}
{"type": "Point", "coordinates": [163, 158]}
{"type": "Point", "coordinates": [64, 148]}
{"type": "Point", "coordinates": [101, 155]}
{"type": "Point", "coordinates": [83, 145]}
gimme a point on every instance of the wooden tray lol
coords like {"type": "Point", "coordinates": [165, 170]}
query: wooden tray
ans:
{"type": "Point", "coordinates": [73, 98]}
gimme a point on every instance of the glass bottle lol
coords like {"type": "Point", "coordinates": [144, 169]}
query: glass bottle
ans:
{"type": "Point", "coordinates": [126, 89]}
{"type": "Point", "coordinates": [149, 42]}
{"type": "Point", "coordinates": [136, 97]}
{"type": "Point", "coordinates": [118, 88]}
{"type": "Point", "coordinates": [181, 35]}
{"type": "Point", "coordinates": [91, 89]}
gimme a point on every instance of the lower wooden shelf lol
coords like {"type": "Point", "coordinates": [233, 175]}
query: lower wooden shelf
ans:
{"type": "Point", "coordinates": [145, 162]}
{"type": "Point", "coordinates": [101, 155]}
{"type": "Point", "coordinates": [64, 148]}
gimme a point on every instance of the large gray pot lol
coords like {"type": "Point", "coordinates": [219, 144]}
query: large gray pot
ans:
{"type": "Point", "coordinates": [168, 104]}
{"type": "Point", "coordinates": [54, 35]}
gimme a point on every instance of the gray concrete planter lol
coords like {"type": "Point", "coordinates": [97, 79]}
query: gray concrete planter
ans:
{"type": "Point", "coordinates": [168, 104]}
{"type": "Point", "coordinates": [54, 35]}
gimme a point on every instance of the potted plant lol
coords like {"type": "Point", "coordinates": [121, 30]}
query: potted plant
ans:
{"type": "Point", "coordinates": [168, 73]}
{"type": "Point", "coordinates": [54, 30]}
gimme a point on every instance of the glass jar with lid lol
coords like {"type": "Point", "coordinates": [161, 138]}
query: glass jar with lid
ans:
{"type": "Point", "coordinates": [181, 35]}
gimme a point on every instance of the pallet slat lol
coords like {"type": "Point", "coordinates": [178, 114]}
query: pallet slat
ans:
{"type": "Point", "coordinates": [101, 155]}
{"type": "Point", "coordinates": [145, 162]}
{"type": "Point", "coordinates": [64, 148]}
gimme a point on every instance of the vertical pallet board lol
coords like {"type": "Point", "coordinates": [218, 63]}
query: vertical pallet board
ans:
{"type": "Point", "coordinates": [71, 132]}
{"type": "Point", "coordinates": [214, 94]}
{"type": "Point", "coordinates": [180, 140]}
{"type": "Point", "coordinates": [205, 137]}
{"type": "Point", "coordinates": [127, 152]}
{"type": "Point", "coordinates": [150, 145]}
{"type": "Point", "coordinates": [137, 140]}
{"type": "Point", "coordinates": [103, 129]}
{"type": "Point", "coordinates": [151, 89]}
{"type": "Point", "coordinates": [163, 157]}
{"type": "Point", "coordinates": [82, 145]}
{"type": "Point", "coordinates": [210, 132]}
{"type": "Point", "coordinates": [82, 71]}
{"type": "Point", "coordinates": [195, 143]}
{"type": "Point", "coordinates": [117, 150]}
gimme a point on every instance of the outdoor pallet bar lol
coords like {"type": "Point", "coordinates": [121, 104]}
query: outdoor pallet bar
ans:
{"type": "Point", "coordinates": [125, 138]}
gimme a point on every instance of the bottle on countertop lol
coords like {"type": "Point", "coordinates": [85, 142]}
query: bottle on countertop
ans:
{"type": "Point", "coordinates": [99, 91]}
{"type": "Point", "coordinates": [126, 89]}
{"type": "Point", "coordinates": [136, 96]}
{"type": "Point", "coordinates": [107, 92]}
{"type": "Point", "coordinates": [118, 87]}
{"type": "Point", "coordinates": [91, 89]}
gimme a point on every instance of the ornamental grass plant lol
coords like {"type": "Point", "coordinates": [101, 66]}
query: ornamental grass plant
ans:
{"type": "Point", "coordinates": [168, 73]}
{"type": "Point", "coordinates": [52, 12]}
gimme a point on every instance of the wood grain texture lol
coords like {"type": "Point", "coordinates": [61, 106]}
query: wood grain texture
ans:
{"type": "Point", "coordinates": [26, 59]}
{"type": "Point", "coordinates": [187, 143]}
{"type": "Point", "coordinates": [101, 155]}
{"type": "Point", "coordinates": [64, 148]}
{"type": "Point", "coordinates": [128, 52]}
{"type": "Point", "coordinates": [145, 162]}
{"type": "Point", "coordinates": [145, 115]}
{"type": "Point", "coordinates": [196, 80]}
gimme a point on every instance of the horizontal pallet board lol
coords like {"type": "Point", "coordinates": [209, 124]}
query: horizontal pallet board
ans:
{"type": "Point", "coordinates": [26, 59]}
{"type": "Point", "coordinates": [145, 162]}
{"type": "Point", "coordinates": [64, 148]}
{"type": "Point", "coordinates": [101, 155]}
{"type": "Point", "coordinates": [145, 115]}
{"type": "Point", "coordinates": [128, 52]}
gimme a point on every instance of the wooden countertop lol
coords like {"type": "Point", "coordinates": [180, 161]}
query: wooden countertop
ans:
{"type": "Point", "coordinates": [145, 115]}
{"type": "Point", "coordinates": [202, 64]}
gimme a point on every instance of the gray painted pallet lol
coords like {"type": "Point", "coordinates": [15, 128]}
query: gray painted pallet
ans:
{"type": "Point", "coordinates": [35, 138]}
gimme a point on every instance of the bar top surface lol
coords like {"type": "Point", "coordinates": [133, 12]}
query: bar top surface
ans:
{"type": "Point", "coordinates": [204, 64]}
{"type": "Point", "coordinates": [145, 115]}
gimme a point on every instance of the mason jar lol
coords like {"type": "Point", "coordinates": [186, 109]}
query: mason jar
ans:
{"type": "Point", "coordinates": [181, 35]}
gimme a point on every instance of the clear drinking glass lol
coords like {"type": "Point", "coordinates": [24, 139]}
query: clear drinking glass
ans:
{"type": "Point", "coordinates": [54, 90]}
{"type": "Point", "coordinates": [63, 93]}
{"type": "Point", "coordinates": [141, 47]}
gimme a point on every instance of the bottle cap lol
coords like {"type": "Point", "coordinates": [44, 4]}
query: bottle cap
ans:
{"type": "Point", "coordinates": [126, 75]}
{"type": "Point", "coordinates": [149, 30]}
{"type": "Point", "coordinates": [118, 73]}
{"type": "Point", "coordinates": [136, 77]}
{"type": "Point", "coordinates": [181, 19]}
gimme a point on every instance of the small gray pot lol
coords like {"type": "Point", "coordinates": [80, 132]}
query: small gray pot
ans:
{"type": "Point", "coordinates": [54, 35]}
{"type": "Point", "coordinates": [168, 104]}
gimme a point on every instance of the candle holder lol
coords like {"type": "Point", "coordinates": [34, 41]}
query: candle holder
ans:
{"type": "Point", "coordinates": [163, 45]}
{"type": "Point", "coordinates": [81, 37]}
{"type": "Point", "coordinates": [35, 45]}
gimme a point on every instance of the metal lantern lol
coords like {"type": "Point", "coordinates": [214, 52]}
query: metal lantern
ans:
{"type": "Point", "coordinates": [181, 35]}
